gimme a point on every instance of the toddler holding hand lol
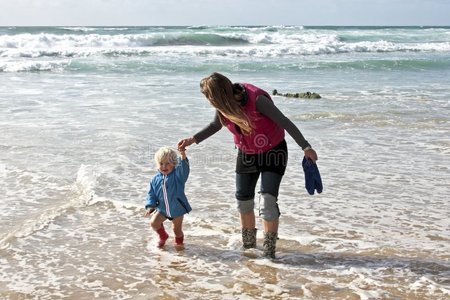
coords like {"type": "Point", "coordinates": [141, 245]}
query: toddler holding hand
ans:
{"type": "Point", "coordinates": [166, 195]}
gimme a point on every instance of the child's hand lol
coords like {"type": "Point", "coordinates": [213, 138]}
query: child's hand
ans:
{"type": "Point", "coordinates": [149, 211]}
{"type": "Point", "coordinates": [182, 144]}
{"type": "Point", "coordinates": [182, 153]}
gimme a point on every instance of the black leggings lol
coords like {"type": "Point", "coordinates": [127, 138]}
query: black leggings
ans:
{"type": "Point", "coordinates": [246, 184]}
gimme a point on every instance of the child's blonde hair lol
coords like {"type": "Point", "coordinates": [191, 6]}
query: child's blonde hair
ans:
{"type": "Point", "coordinates": [166, 154]}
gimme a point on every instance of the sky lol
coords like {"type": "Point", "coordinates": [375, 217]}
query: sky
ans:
{"type": "Point", "coordinates": [223, 12]}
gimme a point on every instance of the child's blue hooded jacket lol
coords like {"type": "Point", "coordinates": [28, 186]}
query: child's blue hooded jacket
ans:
{"type": "Point", "coordinates": [166, 192]}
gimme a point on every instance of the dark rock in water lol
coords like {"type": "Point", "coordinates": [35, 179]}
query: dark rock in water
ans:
{"type": "Point", "coordinates": [306, 95]}
{"type": "Point", "coordinates": [309, 95]}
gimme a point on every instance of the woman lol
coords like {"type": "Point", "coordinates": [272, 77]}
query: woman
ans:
{"type": "Point", "coordinates": [258, 130]}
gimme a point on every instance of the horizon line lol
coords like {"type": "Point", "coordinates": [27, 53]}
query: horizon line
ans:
{"type": "Point", "coordinates": [229, 25]}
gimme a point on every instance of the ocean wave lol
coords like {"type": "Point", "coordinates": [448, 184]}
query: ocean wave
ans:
{"type": "Point", "coordinates": [145, 61]}
{"type": "Point", "coordinates": [384, 64]}
{"type": "Point", "coordinates": [270, 41]}
{"type": "Point", "coordinates": [34, 66]}
{"type": "Point", "coordinates": [81, 29]}
{"type": "Point", "coordinates": [253, 47]}
{"type": "Point", "coordinates": [172, 47]}
{"type": "Point", "coordinates": [95, 40]}
{"type": "Point", "coordinates": [82, 194]}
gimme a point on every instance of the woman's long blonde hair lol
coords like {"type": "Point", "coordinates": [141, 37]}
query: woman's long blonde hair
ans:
{"type": "Point", "coordinates": [221, 93]}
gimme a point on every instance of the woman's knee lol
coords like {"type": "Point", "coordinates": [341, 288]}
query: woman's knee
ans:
{"type": "Point", "coordinates": [269, 209]}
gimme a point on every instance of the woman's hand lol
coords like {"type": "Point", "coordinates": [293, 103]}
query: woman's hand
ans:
{"type": "Point", "coordinates": [182, 144]}
{"type": "Point", "coordinates": [311, 154]}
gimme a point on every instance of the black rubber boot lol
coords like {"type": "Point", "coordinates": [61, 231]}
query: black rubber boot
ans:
{"type": "Point", "coordinates": [270, 241]}
{"type": "Point", "coordinates": [249, 238]}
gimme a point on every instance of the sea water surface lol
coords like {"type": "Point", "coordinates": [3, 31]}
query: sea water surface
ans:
{"type": "Point", "coordinates": [83, 110]}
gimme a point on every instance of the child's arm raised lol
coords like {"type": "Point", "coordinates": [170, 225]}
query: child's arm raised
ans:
{"type": "Point", "coordinates": [184, 169]}
{"type": "Point", "coordinates": [182, 153]}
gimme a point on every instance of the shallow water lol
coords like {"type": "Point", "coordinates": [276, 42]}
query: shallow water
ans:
{"type": "Point", "coordinates": [77, 144]}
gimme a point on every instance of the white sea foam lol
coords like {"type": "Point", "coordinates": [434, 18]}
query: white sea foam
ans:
{"type": "Point", "coordinates": [268, 44]}
{"type": "Point", "coordinates": [86, 182]}
{"type": "Point", "coordinates": [32, 66]}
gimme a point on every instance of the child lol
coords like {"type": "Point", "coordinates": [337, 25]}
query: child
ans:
{"type": "Point", "coordinates": [166, 194]}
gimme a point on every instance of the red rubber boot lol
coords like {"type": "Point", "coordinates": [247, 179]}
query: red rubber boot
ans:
{"type": "Point", "coordinates": [163, 236]}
